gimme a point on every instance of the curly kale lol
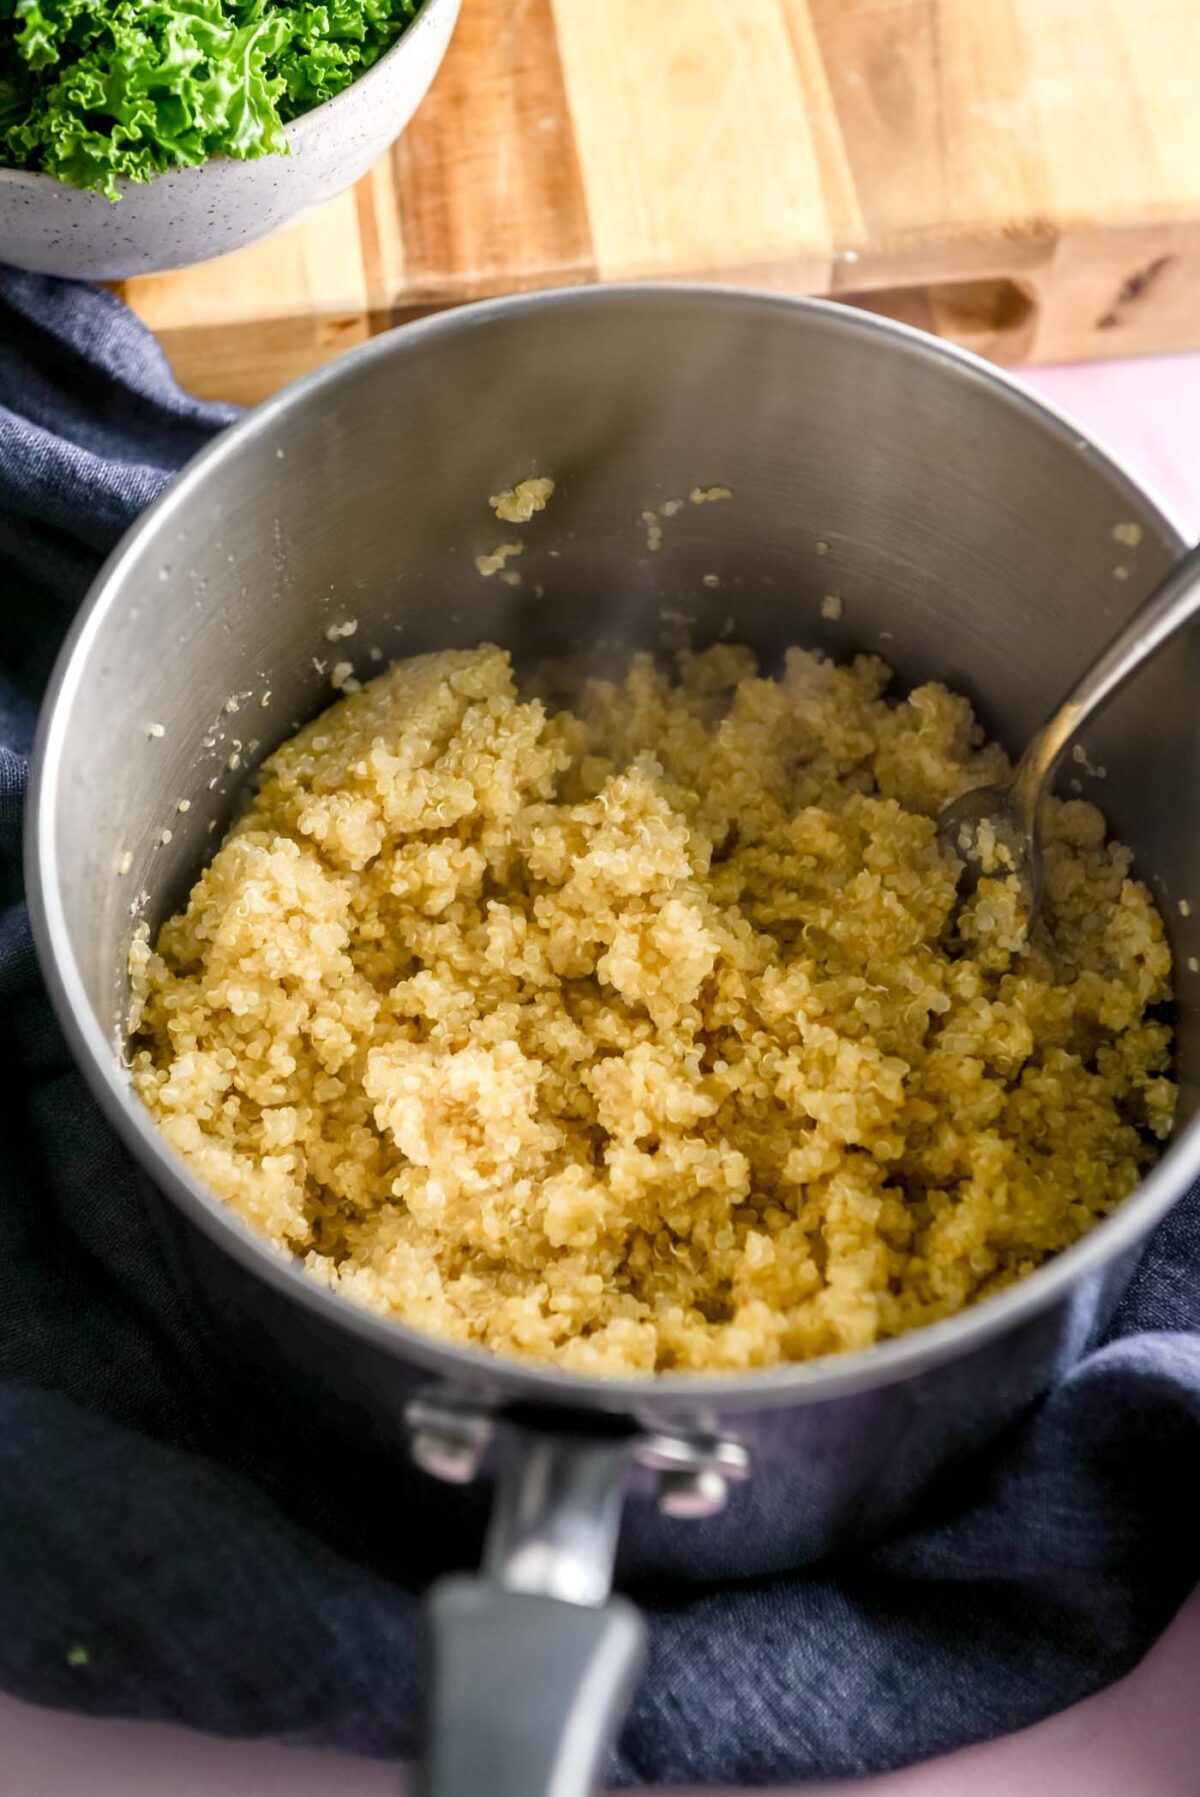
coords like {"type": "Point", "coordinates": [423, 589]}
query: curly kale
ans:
{"type": "Point", "coordinates": [95, 89]}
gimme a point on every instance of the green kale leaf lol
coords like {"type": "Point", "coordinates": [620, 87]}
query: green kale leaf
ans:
{"type": "Point", "coordinates": [95, 90]}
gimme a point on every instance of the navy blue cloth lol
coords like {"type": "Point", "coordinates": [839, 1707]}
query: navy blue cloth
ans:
{"type": "Point", "coordinates": [167, 1552]}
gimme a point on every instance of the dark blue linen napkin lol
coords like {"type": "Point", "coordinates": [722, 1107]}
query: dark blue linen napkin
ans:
{"type": "Point", "coordinates": [167, 1552]}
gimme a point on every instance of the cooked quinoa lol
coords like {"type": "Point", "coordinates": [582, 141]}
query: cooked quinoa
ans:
{"type": "Point", "coordinates": [517, 505]}
{"type": "Point", "coordinates": [653, 1034]}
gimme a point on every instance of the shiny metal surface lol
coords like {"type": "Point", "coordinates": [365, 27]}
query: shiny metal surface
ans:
{"type": "Point", "coordinates": [1015, 809]}
{"type": "Point", "coordinates": [556, 1515]}
{"type": "Point", "coordinates": [694, 1472]}
{"type": "Point", "coordinates": [525, 1693]}
{"type": "Point", "coordinates": [969, 536]}
{"type": "Point", "coordinates": [449, 1442]}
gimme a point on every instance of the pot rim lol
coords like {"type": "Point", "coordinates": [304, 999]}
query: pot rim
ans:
{"type": "Point", "coordinates": [295, 130]}
{"type": "Point", "coordinates": [651, 1396]}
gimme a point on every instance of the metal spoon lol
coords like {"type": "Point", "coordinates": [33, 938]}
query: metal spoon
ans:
{"type": "Point", "coordinates": [1014, 810]}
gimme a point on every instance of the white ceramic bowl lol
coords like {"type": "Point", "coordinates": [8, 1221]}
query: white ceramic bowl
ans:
{"type": "Point", "coordinates": [191, 214]}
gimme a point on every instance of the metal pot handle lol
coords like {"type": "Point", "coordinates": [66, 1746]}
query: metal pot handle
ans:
{"type": "Point", "coordinates": [533, 1663]}
{"type": "Point", "coordinates": [528, 1692]}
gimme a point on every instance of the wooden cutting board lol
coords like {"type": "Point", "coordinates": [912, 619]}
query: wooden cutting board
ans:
{"type": "Point", "coordinates": [1020, 175]}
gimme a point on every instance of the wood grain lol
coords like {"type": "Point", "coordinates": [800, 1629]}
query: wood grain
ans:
{"type": "Point", "coordinates": [1020, 175]}
{"type": "Point", "coordinates": [693, 134]}
{"type": "Point", "coordinates": [487, 179]}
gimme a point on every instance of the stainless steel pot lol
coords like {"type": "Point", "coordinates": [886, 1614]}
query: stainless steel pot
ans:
{"type": "Point", "coordinates": [969, 533]}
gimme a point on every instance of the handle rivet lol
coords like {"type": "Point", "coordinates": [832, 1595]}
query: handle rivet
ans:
{"type": "Point", "coordinates": [452, 1459]}
{"type": "Point", "coordinates": [692, 1495]}
{"type": "Point", "coordinates": [446, 1440]}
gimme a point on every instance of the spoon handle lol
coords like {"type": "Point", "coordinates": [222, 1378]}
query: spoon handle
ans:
{"type": "Point", "coordinates": [1174, 602]}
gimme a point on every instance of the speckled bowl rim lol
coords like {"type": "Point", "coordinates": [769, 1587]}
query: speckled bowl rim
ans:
{"type": "Point", "coordinates": [36, 180]}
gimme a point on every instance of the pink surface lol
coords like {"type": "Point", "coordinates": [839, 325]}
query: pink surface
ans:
{"type": "Point", "coordinates": [1147, 411]}
{"type": "Point", "coordinates": [1142, 1736]}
